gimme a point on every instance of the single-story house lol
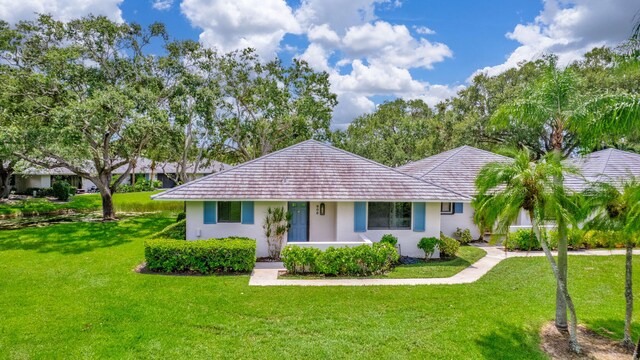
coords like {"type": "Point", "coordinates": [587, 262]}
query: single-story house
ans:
{"type": "Point", "coordinates": [37, 177]}
{"type": "Point", "coordinates": [456, 170]}
{"type": "Point", "coordinates": [336, 198]}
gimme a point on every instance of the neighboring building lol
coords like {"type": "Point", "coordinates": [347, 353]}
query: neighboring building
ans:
{"type": "Point", "coordinates": [609, 165]}
{"type": "Point", "coordinates": [336, 198]}
{"type": "Point", "coordinates": [164, 172]}
{"type": "Point", "coordinates": [456, 170]}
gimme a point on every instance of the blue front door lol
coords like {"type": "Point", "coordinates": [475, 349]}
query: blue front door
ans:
{"type": "Point", "coordinates": [299, 221]}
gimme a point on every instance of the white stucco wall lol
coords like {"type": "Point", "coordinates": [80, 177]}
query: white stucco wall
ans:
{"type": "Point", "coordinates": [322, 227]}
{"type": "Point", "coordinates": [450, 223]}
{"type": "Point", "coordinates": [407, 239]}
{"type": "Point", "coordinates": [343, 228]}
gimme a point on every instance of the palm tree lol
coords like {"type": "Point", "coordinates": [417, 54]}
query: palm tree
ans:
{"type": "Point", "coordinates": [567, 118]}
{"type": "Point", "coordinates": [504, 189]}
{"type": "Point", "coordinates": [611, 209]}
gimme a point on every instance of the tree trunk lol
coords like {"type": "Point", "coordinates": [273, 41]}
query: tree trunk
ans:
{"type": "Point", "coordinates": [561, 304]}
{"type": "Point", "coordinates": [573, 329]}
{"type": "Point", "coordinates": [636, 354]}
{"type": "Point", "coordinates": [5, 179]}
{"type": "Point", "coordinates": [108, 211]}
{"type": "Point", "coordinates": [628, 295]}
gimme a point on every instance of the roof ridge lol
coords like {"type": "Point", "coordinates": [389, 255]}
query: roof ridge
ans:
{"type": "Point", "coordinates": [606, 162]}
{"type": "Point", "coordinates": [390, 168]}
{"type": "Point", "coordinates": [231, 168]}
{"type": "Point", "coordinates": [444, 160]}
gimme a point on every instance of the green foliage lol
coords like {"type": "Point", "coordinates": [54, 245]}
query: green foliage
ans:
{"type": "Point", "coordinates": [62, 190]}
{"type": "Point", "coordinates": [463, 236]}
{"type": "Point", "coordinates": [299, 259]}
{"type": "Point", "coordinates": [140, 186]}
{"type": "Point", "coordinates": [181, 216]}
{"type": "Point", "coordinates": [448, 246]}
{"type": "Point", "coordinates": [175, 231]}
{"type": "Point", "coordinates": [200, 256]}
{"type": "Point", "coordinates": [389, 239]}
{"type": "Point", "coordinates": [522, 239]}
{"type": "Point", "coordinates": [360, 260]}
{"type": "Point", "coordinates": [428, 245]}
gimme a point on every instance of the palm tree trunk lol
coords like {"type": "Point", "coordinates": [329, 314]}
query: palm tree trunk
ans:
{"type": "Point", "coordinates": [561, 304]}
{"type": "Point", "coordinates": [628, 295]}
{"type": "Point", "coordinates": [573, 329]}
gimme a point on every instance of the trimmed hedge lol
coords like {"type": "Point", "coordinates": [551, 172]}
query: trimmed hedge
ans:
{"type": "Point", "coordinates": [448, 246]}
{"type": "Point", "coordinates": [351, 261]}
{"type": "Point", "coordinates": [201, 256]}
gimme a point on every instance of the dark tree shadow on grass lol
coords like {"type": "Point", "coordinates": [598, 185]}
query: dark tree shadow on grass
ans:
{"type": "Point", "coordinates": [79, 237]}
{"type": "Point", "coordinates": [509, 342]}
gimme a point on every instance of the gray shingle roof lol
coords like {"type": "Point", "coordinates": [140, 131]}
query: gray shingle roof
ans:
{"type": "Point", "coordinates": [310, 170]}
{"type": "Point", "coordinates": [455, 169]}
{"type": "Point", "coordinates": [608, 165]}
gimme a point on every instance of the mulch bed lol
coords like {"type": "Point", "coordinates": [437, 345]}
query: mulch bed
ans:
{"type": "Point", "coordinates": [593, 345]}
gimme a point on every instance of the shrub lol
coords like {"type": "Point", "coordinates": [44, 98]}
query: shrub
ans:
{"type": "Point", "coordinates": [389, 239]}
{"type": "Point", "coordinates": [448, 246]}
{"type": "Point", "coordinates": [200, 256]}
{"type": "Point", "coordinates": [463, 236]}
{"type": "Point", "coordinates": [181, 216]}
{"type": "Point", "coordinates": [62, 190]}
{"type": "Point", "coordinates": [522, 239]}
{"type": "Point", "coordinates": [359, 261]}
{"type": "Point", "coordinates": [175, 231]}
{"type": "Point", "coordinates": [428, 245]}
{"type": "Point", "coordinates": [141, 184]}
{"type": "Point", "coordinates": [299, 259]}
{"type": "Point", "coordinates": [40, 192]}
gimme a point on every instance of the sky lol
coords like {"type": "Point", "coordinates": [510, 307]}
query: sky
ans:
{"type": "Point", "coordinates": [375, 50]}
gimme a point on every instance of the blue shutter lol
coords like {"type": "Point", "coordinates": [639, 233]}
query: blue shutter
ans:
{"type": "Point", "coordinates": [457, 208]}
{"type": "Point", "coordinates": [360, 216]}
{"type": "Point", "coordinates": [419, 212]}
{"type": "Point", "coordinates": [247, 212]}
{"type": "Point", "coordinates": [210, 208]}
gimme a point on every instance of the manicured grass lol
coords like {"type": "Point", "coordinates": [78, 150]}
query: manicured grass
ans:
{"type": "Point", "coordinates": [68, 291]}
{"type": "Point", "coordinates": [125, 202]}
{"type": "Point", "coordinates": [466, 256]}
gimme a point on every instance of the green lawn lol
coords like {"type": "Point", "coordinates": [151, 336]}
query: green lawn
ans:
{"type": "Point", "coordinates": [126, 202]}
{"type": "Point", "coordinates": [68, 291]}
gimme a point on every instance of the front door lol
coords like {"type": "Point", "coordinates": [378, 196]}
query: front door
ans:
{"type": "Point", "coordinates": [299, 222]}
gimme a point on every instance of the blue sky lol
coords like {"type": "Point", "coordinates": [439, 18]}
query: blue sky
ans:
{"type": "Point", "coordinates": [375, 50]}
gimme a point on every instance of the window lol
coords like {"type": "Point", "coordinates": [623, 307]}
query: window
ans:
{"type": "Point", "coordinates": [389, 215]}
{"type": "Point", "coordinates": [446, 208]}
{"type": "Point", "coordinates": [229, 211]}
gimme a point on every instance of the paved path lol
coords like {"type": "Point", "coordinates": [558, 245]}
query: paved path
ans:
{"type": "Point", "coordinates": [266, 274]}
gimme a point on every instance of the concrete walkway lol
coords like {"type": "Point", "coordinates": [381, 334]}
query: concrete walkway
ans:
{"type": "Point", "coordinates": [266, 274]}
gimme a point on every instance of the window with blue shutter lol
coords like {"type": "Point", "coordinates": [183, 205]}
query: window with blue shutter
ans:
{"type": "Point", "coordinates": [457, 208]}
{"type": "Point", "coordinates": [247, 212]}
{"type": "Point", "coordinates": [360, 216]}
{"type": "Point", "coordinates": [210, 208]}
{"type": "Point", "coordinates": [419, 216]}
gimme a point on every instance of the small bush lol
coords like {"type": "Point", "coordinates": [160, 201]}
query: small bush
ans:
{"type": "Point", "coordinates": [175, 231]}
{"type": "Point", "coordinates": [200, 256]}
{"type": "Point", "coordinates": [140, 185]}
{"type": "Point", "coordinates": [62, 190]}
{"type": "Point", "coordinates": [181, 216]}
{"type": "Point", "coordinates": [389, 239]}
{"type": "Point", "coordinates": [522, 239]}
{"type": "Point", "coordinates": [463, 236]}
{"type": "Point", "coordinates": [448, 246]}
{"type": "Point", "coordinates": [299, 259]}
{"type": "Point", "coordinates": [428, 245]}
{"type": "Point", "coordinates": [355, 261]}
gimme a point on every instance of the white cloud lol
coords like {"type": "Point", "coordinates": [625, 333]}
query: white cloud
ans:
{"type": "Point", "coordinates": [162, 4]}
{"type": "Point", "coordinates": [349, 107]}
{"type": "Point", "coordinates": [13, 11]}
{"type": "Point", "coordinates": [376, 79]}
{"type": "Point", "coordinates": [338, 14]}
{"type": "Point", "coordinates": [569, 29]}
{"type": "Point", "coordinates": [423, 30]}
{"type": "Point", "coordinates": [433, 94]}
{"type": "Point", "coordinates": [392, 44]}
{"type": "Point", "coordinates": [233, 25]}
{"type": "Point", "coordinates": [323, 35]}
